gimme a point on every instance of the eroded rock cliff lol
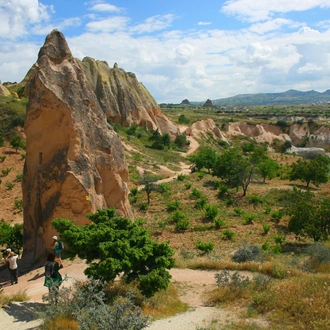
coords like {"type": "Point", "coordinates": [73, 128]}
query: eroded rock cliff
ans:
{"type": "Point", "coordinates": [75, 162]}
{"type": "Point", "coordinates": [124, 99]}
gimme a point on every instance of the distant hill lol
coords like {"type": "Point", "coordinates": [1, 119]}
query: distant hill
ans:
{"type": "Point", "coordinates": [289, 97]}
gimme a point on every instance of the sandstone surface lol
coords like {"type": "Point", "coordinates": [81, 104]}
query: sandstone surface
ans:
{"type": "Point", "coordinates": [124, 99]}
{"type": "Point", "coordinates": [203, 126]}
{"type": "Point", "coordinates": [75, 162]}
{"type": "Point", "coordinates": [4, 91]}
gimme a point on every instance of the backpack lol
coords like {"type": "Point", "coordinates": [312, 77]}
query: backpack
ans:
{"type": "Point", "coordinates": [61, 245]}
{"type": "Point", "coordinates": [49, 269]}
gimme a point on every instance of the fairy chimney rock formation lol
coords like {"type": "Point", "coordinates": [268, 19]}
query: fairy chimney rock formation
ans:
{"type": "Point", "coordinates": [75, 162]}
{"type": "Point", "coordinates": [124, 99]}
{"type": "Point", "coordinates": [208, 104]}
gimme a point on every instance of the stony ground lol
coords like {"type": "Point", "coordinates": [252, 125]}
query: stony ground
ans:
{"type": "Point", "coordinates": [192, 284]}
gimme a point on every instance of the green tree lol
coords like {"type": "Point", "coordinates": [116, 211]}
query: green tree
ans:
{"type": "Point", "coordinates": [183, 119]}
{"type": "Point", "coordinates": [17, 143]}
{"type": "Point", "coordinates": [114, 245]}
{"type": "Point", "coordinates": [181, 140]}
{"type": "Point", "coordinates": [310, 217]}
{"type": "Point", "coordinates": [268, 168]}
{"type": "Point", "coordinates": [314, 171]}
{"type": "Point", "coordinates": [160, 141]}
{"type": "Point", "coordinates": [204, 158]}
{"type": "Point", "coordinates": [235, 167]}
{"type": "Point", "coordinates": [11, 236]}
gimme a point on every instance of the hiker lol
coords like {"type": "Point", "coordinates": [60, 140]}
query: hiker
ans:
{"type": "Point", "coordinates": [56, 246]}
{"type": "Point", "coordinates": [12, 265]}
{"type": "Point", "coordinates": [53, 278]}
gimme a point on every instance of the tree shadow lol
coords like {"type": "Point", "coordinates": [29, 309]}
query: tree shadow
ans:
{"type": "Point", "coordinates": [24, 311]}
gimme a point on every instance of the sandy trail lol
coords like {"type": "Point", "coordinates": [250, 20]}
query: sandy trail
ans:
{"type": "Point", "coordinates": [192, 284]}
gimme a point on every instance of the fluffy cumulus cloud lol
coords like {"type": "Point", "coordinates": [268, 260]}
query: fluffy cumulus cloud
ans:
{"type": "Point", "coordinates": [17, 16]}
{"type": "Point", "coordinates": [253, 11]}
{"type": "Point", "coordinates": [268, 53]}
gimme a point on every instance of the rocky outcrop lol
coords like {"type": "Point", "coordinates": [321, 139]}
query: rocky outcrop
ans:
{"type": "Point", "coordinates": [204, 126]}
{"type": "Point", "coordinates": [185, 102]}
{"type": "Point", "coordinates": [208, 104]}
{"type": "Point", "coordinates": [4, 91]}
{"type": "Point", "coordinates": [308, 153]}
{"type": "Point", "coordinates": [260, 132]}
{"type": "Point", "coordinates": [124, 99]}
{"type": "Point", "coordinates": [75, 162]}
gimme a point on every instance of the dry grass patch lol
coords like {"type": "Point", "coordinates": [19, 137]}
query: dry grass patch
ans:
{"type": "Point", "coordinates": [6, 299]}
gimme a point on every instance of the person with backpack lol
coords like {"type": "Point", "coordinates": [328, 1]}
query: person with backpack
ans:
{"type": "Point", "coordinates": [12, 265]}
{"type": "Point", "coordinates": [57, 248]}
{"type": "Point", "coordinates": [53, 278]}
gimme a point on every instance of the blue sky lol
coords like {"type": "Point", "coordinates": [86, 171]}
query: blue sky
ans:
{"type": "Point", "coordinates": [181, 49]}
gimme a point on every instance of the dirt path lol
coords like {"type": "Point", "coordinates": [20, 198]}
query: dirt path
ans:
{"type": "Point", "coordinates": [192, 284]}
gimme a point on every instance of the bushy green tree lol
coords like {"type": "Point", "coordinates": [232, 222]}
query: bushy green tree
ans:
{"type": "Point", "coordinates": [11, 236]}
{"type": "Point", "coordinates": [181, 140]}
{"type": "Point", "coordinates": [268, 168]}
{"type": "Point", "coordinates": [309, 217]}
{"type": "Point", "coordinates": [204, 158]}
{"type": "Point", "coordinates": [314, 171]}
{"type": "Point", "coordinates": [17, 143]}
{"type": "Point", "coordinates": [114, 245]}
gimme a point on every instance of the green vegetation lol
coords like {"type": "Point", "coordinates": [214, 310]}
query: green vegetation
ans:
{"type": "Point", "coordinates": [11, 236]}
{"type": "Point", "coordinates": [113, 245]}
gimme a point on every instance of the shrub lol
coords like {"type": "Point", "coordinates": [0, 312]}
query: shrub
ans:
{"type": "Point", "coordinates": [86, 304]}
{"type": "Point", "coordinates": [266, 228]}
{"type": "Point", "coordinates": [134, 191]}
{"type": "Point", "coordinates": [18, 204]}
{"type": "Point", "coordinates": [248, 218]}
{"type": "Point", "coordinates": [205, 247]}
{"type": "Point", "coordinates": [188, 185]}
{"type": "Point", "coordinates": [181, 177]}
{"type": "Point", "coordinates": [222, 190]}
{"type": "Point", "coordinates": [238, 211]}
{"type": "Point", "coordinates": [201, 203]}
{"type": "Point", "coordinates": [211, 211]}
{"type": "Point", "coordinates": [318, 255]}
{"type": "Point", "coordinates": [277, 215]}
{"type": "Point", "coordinates": [6, 171]}
{"type": "Point", "coordinates": [178, 216]}
{"type": "Point", "coordinates": [228, 234]}
{"type": "Point", "coordinates": [233, 281]}
{"type": "Point", "coordinates": [174, 205]}
{"type": "Point", "coordinates": [279, 239]}
{"type": "Point", "coordinates": [219, 223]}
{"type": "Point", "coordinates": [247, 253]}
{"type": "Point", "coordinates": [255, 200]}
{"type": "Point", "coordinates": [196, 193]}
{"type": "Point", "coordinates": [10, 185]}
{"type": "Point", "coordinates": [19, 177]}
{"type": "Point", "coordinates": [2, 159]}
{"type": "Point", "coordinates": [144, 206]}
{"type": "Point", "coordinates": [182, 225]}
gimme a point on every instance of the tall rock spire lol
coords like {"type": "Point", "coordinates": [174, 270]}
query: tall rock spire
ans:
{"type": "Point", "coordinates": [75, 162]}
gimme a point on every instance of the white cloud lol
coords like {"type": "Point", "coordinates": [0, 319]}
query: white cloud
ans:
{"type": "Point", "coordinates": [17, 16]}
{"type": "Point", "coordinates": [307, 30]}
{"type": "Point", "coordinates": [110, 24]}
{"type": "Point", "coordinates": [105, 7]}
{"type": "Point", "coordinates": [253, 11]}
{"type": "Point", "coordinates": [272, 25]}
{"type": "Point", "coordinates": [204, 23]}
{"type": "Point", "coordinates": [154, 23]}
{"type": "Point", "coordinates": [309, 68]}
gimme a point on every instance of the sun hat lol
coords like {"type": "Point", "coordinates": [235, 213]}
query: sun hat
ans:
{"type": "Point", "coordinates": [8, 250]}
{"type": "Point", "coordinates": [55, 237]}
